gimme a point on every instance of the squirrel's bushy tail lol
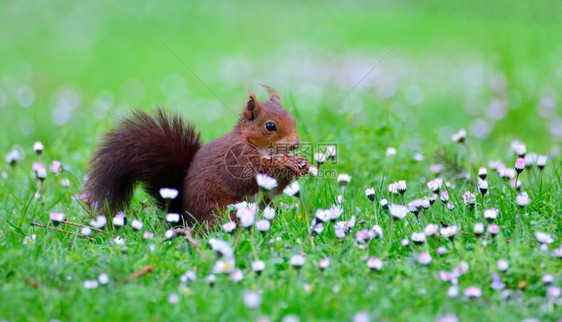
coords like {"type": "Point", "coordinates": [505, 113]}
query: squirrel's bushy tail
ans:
{"type": "Point", "coordinates": [155, 150]}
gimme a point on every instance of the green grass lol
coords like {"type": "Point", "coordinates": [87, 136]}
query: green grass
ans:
{"type": "Point", "coordinates": [103, 60]}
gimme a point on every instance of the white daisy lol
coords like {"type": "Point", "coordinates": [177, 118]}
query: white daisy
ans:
{"type": "Point", "coordinates": [266, 182]}
{"type": "Point", "coordinates": [168, 193]}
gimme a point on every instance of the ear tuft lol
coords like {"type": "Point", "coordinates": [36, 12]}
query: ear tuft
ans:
{"type": "Point", "coordinates": [252, 108]}
{"type": "Point", "coordinates": [273, 95]}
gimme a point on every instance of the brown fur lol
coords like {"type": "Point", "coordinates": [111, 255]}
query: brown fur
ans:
{"type": "Point", "coordinates": [162, 151]}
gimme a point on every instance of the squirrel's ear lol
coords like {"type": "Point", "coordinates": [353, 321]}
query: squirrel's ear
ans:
{"type": "Point", "coordinates": [273, 95]}
{"type": "Point", "coordinates": [252, 108]}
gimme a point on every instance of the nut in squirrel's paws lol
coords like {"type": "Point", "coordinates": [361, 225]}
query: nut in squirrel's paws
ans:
{"type": "Point", "coordinates": [288, 165]}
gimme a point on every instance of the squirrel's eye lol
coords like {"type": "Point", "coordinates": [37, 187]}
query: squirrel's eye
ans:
{"type": "Point", "coordinates": [270, 127]}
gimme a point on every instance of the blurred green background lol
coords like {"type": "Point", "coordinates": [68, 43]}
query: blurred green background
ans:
{"type": "Point", "coordinates": [68, 69]}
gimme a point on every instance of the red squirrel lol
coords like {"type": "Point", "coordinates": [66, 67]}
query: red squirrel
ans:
{"type": "Point", "coordinates": [163, 151]}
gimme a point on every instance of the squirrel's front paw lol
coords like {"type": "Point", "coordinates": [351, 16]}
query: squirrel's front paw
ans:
{"type": "Point", "coordinates": [296, 164]}
{"type": "Point", "coordinates": [302, 165]}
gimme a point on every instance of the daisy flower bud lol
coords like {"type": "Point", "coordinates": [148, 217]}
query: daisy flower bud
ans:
{"type": "Point", "coordinates": [168, 193]}
{"type": "Point", "coordinates": [482, 173]}
{"type": "Point", "coordinates": [263, 225]}
{"type": "Point", "coordinates": [229, 226]}
{"type": "Point", "coordinates": [478, 229]}
{"type": "Point", "coordinates": [441, 250]}
{"type": "Point", "coordinates": [99, 222]}
{"type": "Point", "coordinates": [547, 279]}
{"type": "Point", "coordinates": [147, 235]}
{"type": "Point", "coordinates": [339, 199]}
{"type": "Point", "coordinates": [293, 190]}
{"type": "Point", "coordinates": [397, 211]}
{"type": "Point", "coordinates": [252, 299]}
{"type": "Point", "coordinates": [401, 186]}
{"type": "Point", "coordinates": [57, 217]}
{"type": "Point", "coordinates": [418, 157]}
{"type": "Point", "coordinates": [469, 199]}
{"type": "Point", "coordinates": [430, 229]}
{"type": "Point", "coordinates": [414, 207]}
{"type": "Point", "coordinates": [375, 264]}
{"type": "Point", "coordinates": [322, 215]}
{"type": "Point", "coordinates": [335, 212]}
{"type": "Point", "coordinates": [370, 193]}
{"type": "Point", "coordinates": [211, 278]}
{"type": "Point", "coordinates": [320, 158]}
{"type": "Point", "coordinates": [297, 261]}
{"type": "Point", "coordinates": [405, 242]}
{"type": "Point", "coordinates": [418, 238]}
{"type": "Point", "coordinates": [103, 278]}
{"type": "Point", "coordinates": [14, 156]}
{"type": "Point", "coordinates": [119, 241]}
{"type": "Point", "coordinates": [90, 284]}
{"type": "Point", "coordinates": [483, 186]}
{"type": "Point", "coordinates": [266, 182]}
{"type": "Point", "coordinates": [38, 147]}
{"type": "Point", "coordinates": [425, 203]}
{"type": "Point", "coordinates": [519, 165]}
{"type": "Point", "coordinates": [173, 218]}
{"type": "Point", "coordinates": [258, 266]}
{"type": "Point", "coordinates": [459, 137]}
{"type": "Point", "coordinates": [503, 265]}
{"type": "Point", "coordinates": [41, 173]}
{"type": "Point", "coordinates": [541, 161]}
{"type": "Point", "coordinates": [473, 292]}
{"type": "Point", "coordinates": [56, 167]}
{"type": "Point", "coordinates": [435, 185]}
{"type": "Point", "coordinates": [436, 169]}
{"type": "Point", "coordinates": [378, 231]}
{"type": "Point", "coordinates": [449, 232]}
{"type": "Point", "coordinates": [173, 299]}
{"type": "Point", "coordinates": [544, 238]}
{"type": "Point", "coordinates": [553, 292]}
{"type": "Point", "coordinates": [136, 224]}
{"type": "Point", "coordinates": [324, 263]}
{"type": "Point", "coordinates": [444, 197]}
{"type": "Point", "coordinates": [120, 219]}
{"type": "Point", "coordinates": [493, 229]}
{"type": "Point", "coordinates": [390, 151]}
{"type": "Point", "coordinates": [313, 171]}
{"type": "Point", "coordinates": [236, 276]}
{"type": "Point", "coordinates": [269, 213]}
{"type": "Point", "coordinates": [521, 150]}
{"type": "Point", "coordinates": [490, 214]}
{"type": "Point", "coordinates": [188, 277]}
{"type": "Point", "coordinates": [384, 204]}
{"type": "Point", "coordinates": [343, 180]}
{"type": "Point", "coordinates": [522, 200]}
{"type": "Point", "coordinates": [453, 291]}
{"type": "Point", "coordinates": [246, 217]}
{"type": "Point", "coordinates": [221, 247]}
{"type": "Point", "coordinates": [169, 234]}
{"type": "Point", "coordinates": [432, 198]}
{"type": "Point", "coordinates": [86, 231]}
{"type": "Point", "coordinates": [424, 259]}
{"type": "Point", "coordinates": [450, 206]}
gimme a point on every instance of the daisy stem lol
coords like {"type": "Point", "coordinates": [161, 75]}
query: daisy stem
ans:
{"type": "Point", "coordinates": [237, 240]}
{"type": "Point", "coordinates": [253, 244]}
